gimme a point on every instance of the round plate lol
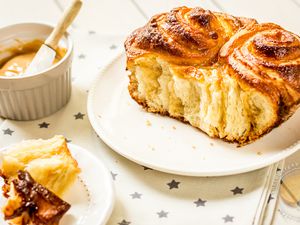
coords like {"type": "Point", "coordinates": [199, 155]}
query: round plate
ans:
{"type": "Point", "coordinates": [92, 195]}
{"type": "Point", "coordinates": [171, 146]}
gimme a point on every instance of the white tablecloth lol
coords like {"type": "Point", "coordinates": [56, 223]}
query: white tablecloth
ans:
{"type": "Point", "coordinates": [144, 196]}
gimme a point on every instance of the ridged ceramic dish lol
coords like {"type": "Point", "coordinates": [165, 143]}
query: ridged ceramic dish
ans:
{"type": "Point", "coordinates": [38, 95]}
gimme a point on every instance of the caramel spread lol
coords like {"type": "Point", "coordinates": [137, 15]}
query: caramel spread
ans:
{"type": "Point", "coordinates": [22, 55]}
{"type": "Point", "coordinates": [31, 203]}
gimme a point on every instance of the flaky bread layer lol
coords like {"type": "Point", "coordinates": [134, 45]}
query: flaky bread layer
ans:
{"type": "Point", "coordinates": [206, 98]}
{"type": "Point", "coordinates": [49, 162]}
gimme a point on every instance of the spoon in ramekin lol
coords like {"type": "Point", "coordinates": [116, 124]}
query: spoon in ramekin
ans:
{"type": "Point", "coordinates": [45, 56]}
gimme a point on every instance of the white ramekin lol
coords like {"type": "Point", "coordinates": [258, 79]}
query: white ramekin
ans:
{"type": "Point", "coordinates": [38, 95]}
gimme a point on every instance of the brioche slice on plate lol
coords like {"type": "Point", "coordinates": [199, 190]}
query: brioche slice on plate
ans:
{"type": "Point", "coordinates": [49, 162]}
{"type": "Point", "coordinates": [37, 173]}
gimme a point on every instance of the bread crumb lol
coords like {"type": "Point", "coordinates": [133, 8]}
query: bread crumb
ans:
{"type": "Point", "coordinates": [148, 123]}
{"type": "Point", "coordinates": [259, 153]}
{"type": "Point", "coordinates": [211, 144]}
{"type": "Point", "coordinates": [194, 147]}
{"type": "Point", "coordinates": [174, 128]}
{"type": "Point", "coordinates": [151, 147]}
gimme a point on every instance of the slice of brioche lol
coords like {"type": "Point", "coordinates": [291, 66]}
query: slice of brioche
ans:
{"type": "Point", "coordinates": [231, 77]}
{"type": "Point", "coordinates": [49, 162]}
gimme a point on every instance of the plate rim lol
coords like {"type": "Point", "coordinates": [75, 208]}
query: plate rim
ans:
{"type": "Point", "coordinates": [111, 195]}
{"type": "Point", "coordinates": [115, 147]}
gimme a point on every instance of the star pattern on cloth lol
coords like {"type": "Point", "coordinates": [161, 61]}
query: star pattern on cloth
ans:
{"type": "Point", "coordinates": [113, 175]}
{"type": "Point", "coordinates": [136, 195]}
{"type": "Point", "coordinates": [81, 56]}
{"type": "Point", "coordinates": [228, 218]}
{"type": "Point", "coordinates": [44, 125]}
{"type": "Point", "coordinates": [237, 190]}
{"type": "Point", "coordinates": [146, 168]}
{"type": "Point", "coordinates": [113, 47]}
{"type": "Point", "coordinates": [200, 202]}
{"type": "Point", "coordinates": [124, 222]}
{"type": "Point", "coordinates": [270, 198]}
{"type": "Point", "coordinates": [79, 115]}
{"type": "Point", "coordinates": [173, 184]}
{"type": "Point", "coordinates": [162, 214]}
{"type": "Point", "coordinates": [8, 131]}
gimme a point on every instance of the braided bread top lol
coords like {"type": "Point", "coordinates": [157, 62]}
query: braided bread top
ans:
{"type": "Point", "coordinates": [185, 36]}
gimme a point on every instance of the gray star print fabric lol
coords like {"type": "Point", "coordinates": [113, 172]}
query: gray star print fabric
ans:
{"type": "Point", "coordinates": [144, 196]}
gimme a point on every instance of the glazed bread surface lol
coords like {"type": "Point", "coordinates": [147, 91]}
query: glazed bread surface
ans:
{"type": "Point", "coordinates": [231, 77]}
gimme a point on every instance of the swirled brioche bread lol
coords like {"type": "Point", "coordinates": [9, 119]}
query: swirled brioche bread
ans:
{"type": "Point", "coordinates": [231, 77]}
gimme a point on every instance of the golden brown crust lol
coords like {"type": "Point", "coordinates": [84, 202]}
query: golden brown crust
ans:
{"type": "Point", "coordinates": [267, 58]}
{"type": "Point", "coordinates": [185, 36]}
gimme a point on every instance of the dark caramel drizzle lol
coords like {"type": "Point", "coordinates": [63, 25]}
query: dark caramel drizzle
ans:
{"type": "Point", "coordinates": [36, 199]}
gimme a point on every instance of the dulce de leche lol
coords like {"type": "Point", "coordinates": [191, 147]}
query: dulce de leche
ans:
{"type": "Point", "coordinates": [21, 57]}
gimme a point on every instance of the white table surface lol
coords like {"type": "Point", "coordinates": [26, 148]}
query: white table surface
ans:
{"type": "Point", "coordinates": [113, 20]}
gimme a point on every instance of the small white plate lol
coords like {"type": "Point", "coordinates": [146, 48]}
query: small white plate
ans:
{"type": "Point", "coordinates": [92, 195]}
{"type": "Point", "coordinates": [168, 145]}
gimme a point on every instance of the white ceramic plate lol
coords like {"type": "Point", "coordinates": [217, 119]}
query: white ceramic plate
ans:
{"type": "Point", "coordinates": [168, 145]}
{"type": "Point", "coordinates": [92, 195]}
